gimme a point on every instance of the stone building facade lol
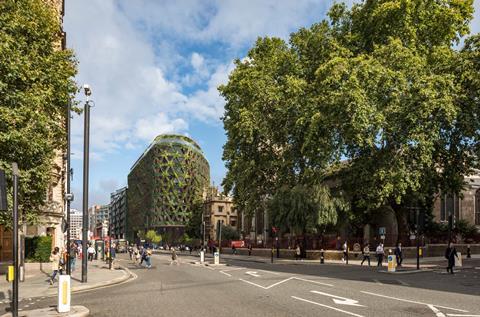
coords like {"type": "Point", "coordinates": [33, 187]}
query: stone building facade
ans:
{"type": "Point", "coordinates": [465, 206]}
{"type": "Point", "coordinates": [218, 207]}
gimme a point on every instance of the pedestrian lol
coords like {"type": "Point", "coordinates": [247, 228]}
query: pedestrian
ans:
{"type": "Point", "coordinates": [450, 254]}
{"type": "Point", "coordinates": [234, 250]}
{"type": "Point", "coordinates": [143, 254]}
{"type": "Point", "coordinates": [366, 254]}
{"type": "Point", "coordinates": [345, 251]}
{"type": "Point", "coordinates": [61, 262]}
{"type": "Point", "coordinates": [55, 259]}
{"type": "Point", "coordinates": [91, 252]}
{"type": "Point", "coordinates": [380, 252]}
{"type": "Point", "coordinates": [112, 253]}
{"type": "Point", "coordinates": [298, 252]}
{"type": "Point", "coordinates": [250, 250]}
{"type": "Point", "coordinates": [174, 257]}
{"type": "Point", "coordinates": [73, 255]}
{"type": "Point", "coordinates": [130, 252]}
{"type": "Point", "coordinates": [399, 254]}
{"type": "Point", "coordinates": [148, 258]}
{"type": "Point", "coordinates": [137, 256]}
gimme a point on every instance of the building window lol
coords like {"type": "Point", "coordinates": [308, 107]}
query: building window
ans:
{"type": "Point", "coordinates": [220, 209]}
{"type": "Point", "coordinates": [477, 207]}
{"type": "Point", "coordinates": [233, 223]}
{"type": "Point", "coordinates": [450, 205]}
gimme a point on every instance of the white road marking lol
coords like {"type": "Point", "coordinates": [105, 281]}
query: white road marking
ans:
{"type": "Point", "coordinates": [413, 302]}
{"type": "Point", "coordinates": [463, 315]}
{"type": "Point", "coordinates": [437, 312]}
{"type": "Point", "coordinates": [340, 300]}
{"type": "Point", "coordinates": [311, 281]}
{"type": "Point", "coordinates": [252, 273]}
{"type": "Point", "coordinates": [285, 280]}
{"type": "Point", "coordinates": [330, 307]}
{"type": "Point", "coordinates": [229, 275]}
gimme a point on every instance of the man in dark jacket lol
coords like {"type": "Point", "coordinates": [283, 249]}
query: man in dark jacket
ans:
{"type": "Point", "coordinates": [450, 254]}
{"type": "Point", "coordinates": [399, 254]}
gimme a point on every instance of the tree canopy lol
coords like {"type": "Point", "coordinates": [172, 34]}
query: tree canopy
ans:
{"type": "Point", "coordinates": [36, 83]}
{"type": "Point", "coordinates": [376, 95]}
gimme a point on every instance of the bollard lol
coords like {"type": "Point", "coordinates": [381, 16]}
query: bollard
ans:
{"type": "Point", "coordinates": [469, 255]}
{"type": "Point", "coordinates": [63, 294]}
{"type": "Point", "coordinates": [271, 259]}
{"type": "Point", "coordinates": [322, 258]}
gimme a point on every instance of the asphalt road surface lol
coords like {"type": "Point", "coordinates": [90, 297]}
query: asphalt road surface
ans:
{"type": "Point", "coordinates": [243, 288]}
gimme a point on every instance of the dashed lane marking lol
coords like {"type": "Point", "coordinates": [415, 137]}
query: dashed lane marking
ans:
{"type": "Point", "coordinates": [413, 302]}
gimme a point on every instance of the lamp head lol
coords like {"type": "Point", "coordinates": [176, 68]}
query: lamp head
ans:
{"type": "Point", "coordinates": [87, 90]}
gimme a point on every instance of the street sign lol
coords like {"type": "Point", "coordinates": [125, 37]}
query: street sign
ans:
{"type": "Point", "coordinates": [382, 231]}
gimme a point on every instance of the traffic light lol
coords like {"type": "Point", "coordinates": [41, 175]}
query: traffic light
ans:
{"type": "Point", "coordinates": [3, 191]}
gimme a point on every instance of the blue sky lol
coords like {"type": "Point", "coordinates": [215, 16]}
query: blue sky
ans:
{"type": "Point", "coordinates": [154, 67]}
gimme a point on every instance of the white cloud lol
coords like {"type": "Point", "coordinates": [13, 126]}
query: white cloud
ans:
{"type": "Point", "coordinates": [148, 128]}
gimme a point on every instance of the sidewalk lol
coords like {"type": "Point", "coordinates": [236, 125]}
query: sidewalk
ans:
{"type": "Point", "coordinates": [37, 284]}
{"type": "Point", "coordinates": [408, 263]}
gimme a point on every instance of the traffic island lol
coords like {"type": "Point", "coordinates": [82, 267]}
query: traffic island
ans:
{"type": "Point", "coordinates": [75, 311]}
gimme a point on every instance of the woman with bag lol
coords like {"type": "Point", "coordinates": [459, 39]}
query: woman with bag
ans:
{"type": "Point", "coordinates": [55, 259]}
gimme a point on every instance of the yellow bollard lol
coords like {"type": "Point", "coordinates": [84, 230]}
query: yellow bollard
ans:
{"type": "Point", "coordinates": [420, 252]}
{"type": "Point", "coordinates": [65, 292]}
{"type": "Point", "coordinates": [10, 273]}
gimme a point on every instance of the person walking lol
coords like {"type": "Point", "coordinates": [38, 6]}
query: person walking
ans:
{"type": "Point", "coordinates": [345, 251]}
{"type": "Point", "coordinates": [55, 259]}
{"type": "Point", "coordinates": [137, 256]}
{"type": "Point", "coordinates": [91, 252]}
{"type": "Point", "coordinates": [148, 258]}
{"type": "Point", "coordinates": [366, 254]}
{"type": "Point", "coordinates": [73, 255]}
{"type": "Point", "coordinates": [380, 253]}
{"type": "Point", "coordinates": [174, 257]}
{"type": "Point", "coordinates": [250, 250]}
{"type": "Point", "coordinates": [450, 254]}
{"type": "Point", "coordinates": [130, 252]}
{"type": "Point", "coordinates": [399, 254]}
{"type": "Point", "coordinates": [298, 252]}
{"type": "Point", "coordinates": [112, 253]}
{"type": "Point", "coordinates": [234, 250]}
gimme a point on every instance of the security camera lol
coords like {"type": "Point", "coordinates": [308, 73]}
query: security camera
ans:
{"type": "Point", "coordinates": [87, 90]}
{"type": "Point", "coordinates": [69, 196]}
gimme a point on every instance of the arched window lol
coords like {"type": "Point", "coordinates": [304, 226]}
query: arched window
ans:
{"type": "Point", "coordinates": [477, 207]}
{"type": "Point", "coordinates": [450, 205]}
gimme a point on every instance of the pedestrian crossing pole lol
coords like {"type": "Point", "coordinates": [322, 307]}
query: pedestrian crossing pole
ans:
{"type": "Point", "coordinates": [15, 241]}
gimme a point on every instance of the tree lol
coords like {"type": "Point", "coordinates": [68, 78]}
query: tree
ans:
{"type": "Point", "coordinates": [153, 237]}
{"type": "Point", "coordinates": [36, 83]}
{"type": "Point", "coordinates": [376, 93]}
{"type": "Point", "coordinates": [229, 233]}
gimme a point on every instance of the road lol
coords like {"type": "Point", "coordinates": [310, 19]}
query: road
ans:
{"type": "Point", "coordinates": [257, 289]}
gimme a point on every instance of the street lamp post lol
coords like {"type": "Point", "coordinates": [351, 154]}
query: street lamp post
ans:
{"type": "Point", "coordinates": [69, 196]}
{"type": "Point", "coordinates": [86, 145]}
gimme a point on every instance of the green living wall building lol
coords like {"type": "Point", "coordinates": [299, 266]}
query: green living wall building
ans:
{"type": "Point", "coordinates": [164, 184]}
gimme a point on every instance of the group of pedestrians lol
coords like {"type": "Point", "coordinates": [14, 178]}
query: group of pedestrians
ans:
{"type": "Point", "coordinates": [141, 254]}
{"type": "Point", "coordinates": [380, 254]}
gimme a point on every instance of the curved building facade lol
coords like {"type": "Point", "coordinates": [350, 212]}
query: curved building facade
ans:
{"type": "Point", "coordinates": [164, 184]}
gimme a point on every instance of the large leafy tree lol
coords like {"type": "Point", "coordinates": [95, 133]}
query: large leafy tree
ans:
{"type": "Point", "coordinates": [378, 90]}
{"type": "Point", "coordinates": [35, 86]}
